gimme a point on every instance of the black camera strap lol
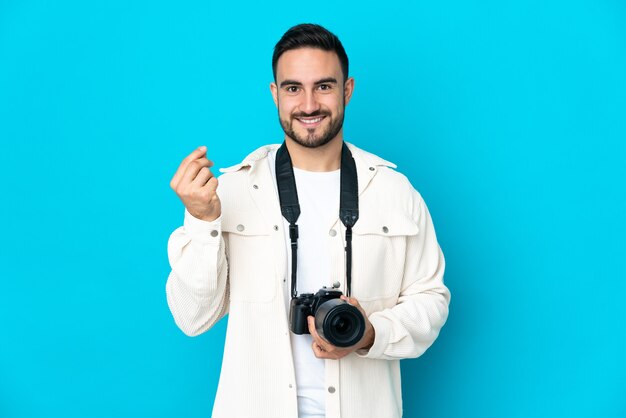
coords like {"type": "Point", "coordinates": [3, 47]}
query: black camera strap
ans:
{"type": "Point", "coordinates": [290, 206]}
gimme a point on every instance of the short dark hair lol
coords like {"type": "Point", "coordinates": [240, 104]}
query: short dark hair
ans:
{"type": "Point", "coordinates": [313, 36]}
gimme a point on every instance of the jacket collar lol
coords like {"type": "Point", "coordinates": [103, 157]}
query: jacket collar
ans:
{"type": "Point", "coordinates": [367, 164]}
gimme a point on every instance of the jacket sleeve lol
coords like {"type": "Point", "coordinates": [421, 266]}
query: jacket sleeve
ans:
{"type": "Point", "coordinates": [197, 287]}
{"type": "Point", "coordinates": [407, 329]}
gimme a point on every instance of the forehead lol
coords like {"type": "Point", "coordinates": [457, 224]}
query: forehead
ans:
{"type": "Point", "coordinates": [307, 65]}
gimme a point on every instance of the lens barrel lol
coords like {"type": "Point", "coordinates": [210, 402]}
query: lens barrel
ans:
{"type": "Point", "coordinates": [339, 323]}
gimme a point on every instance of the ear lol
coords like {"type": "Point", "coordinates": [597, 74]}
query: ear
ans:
{"type": "Point", "coordinates": [274, 90]}
{"type": "Point", "coordinates": [348, 88]}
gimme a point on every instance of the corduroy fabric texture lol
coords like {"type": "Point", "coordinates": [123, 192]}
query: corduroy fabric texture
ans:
{"type": "Point", "coordinates": [237, 264]}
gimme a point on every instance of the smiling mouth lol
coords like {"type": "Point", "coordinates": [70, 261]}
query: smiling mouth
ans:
{"type": "Point", "coordinates": [311, 121]}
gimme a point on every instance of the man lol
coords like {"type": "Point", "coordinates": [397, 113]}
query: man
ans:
{"type": "Point", "coordinates": [233, 255]}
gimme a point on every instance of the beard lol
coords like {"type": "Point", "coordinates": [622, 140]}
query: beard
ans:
{"type": "Point", "coordinates": [313, 139]}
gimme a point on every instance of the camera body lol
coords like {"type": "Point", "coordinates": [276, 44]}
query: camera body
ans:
{"type": "Point", "coordinates": [338, 322]}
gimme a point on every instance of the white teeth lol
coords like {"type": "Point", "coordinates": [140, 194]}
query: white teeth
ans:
{"type": "Point", "coordinates": [310, 120]}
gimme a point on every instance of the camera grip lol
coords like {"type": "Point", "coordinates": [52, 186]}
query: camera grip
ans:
{"type": "Point", "coordinates": [298, 317]}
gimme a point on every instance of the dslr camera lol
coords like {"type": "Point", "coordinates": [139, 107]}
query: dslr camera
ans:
{"type": "Point", "coordinates": [338, 322]}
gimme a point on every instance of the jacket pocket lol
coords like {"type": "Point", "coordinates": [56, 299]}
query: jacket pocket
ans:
{"type": "Point", "coordinates": [379, 255]}
{"type": "Point", "coordinates": [250, 254]}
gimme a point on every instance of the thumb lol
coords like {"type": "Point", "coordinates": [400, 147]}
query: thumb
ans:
{"type": "Point", "coordinates": [350, 300]}
{"type": "Point", "coordinates": [197, 153]}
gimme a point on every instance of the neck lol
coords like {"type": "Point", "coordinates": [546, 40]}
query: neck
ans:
{"type": "Point", "coordinates": [324, 158]}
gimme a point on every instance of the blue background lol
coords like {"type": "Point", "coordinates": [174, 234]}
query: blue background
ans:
{"type": "Point", "coordinates": [508, 116]}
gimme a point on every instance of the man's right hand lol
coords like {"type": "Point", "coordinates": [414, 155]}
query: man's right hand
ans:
{"type": "Point", "coordinates": [196, 186]}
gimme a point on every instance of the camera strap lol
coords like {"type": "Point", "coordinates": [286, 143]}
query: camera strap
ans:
{"type": "Point", "coordinates": [290, 206]}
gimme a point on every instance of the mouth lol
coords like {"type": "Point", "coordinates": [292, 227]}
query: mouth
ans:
{"type": "Point", "coordinates": [311, 122]}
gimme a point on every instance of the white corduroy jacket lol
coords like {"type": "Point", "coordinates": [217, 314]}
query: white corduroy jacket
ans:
{"type": "Point", "coordinates": [237, 265]}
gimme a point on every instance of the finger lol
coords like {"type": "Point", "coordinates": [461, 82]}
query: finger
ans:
{"type": "Point", "coordinates": [184, 169]}
{"type": "Point", "coordinates": [352, 301]}
{"type": "Point", "coordinates": [311, 323]}
{"type": "Point", "coordinates": [323, 354]}
{"type": "Point", "coordinates": [211, 184]}
{"type": "Point", "coordinates": [319, 340]}
{"type": "Point", "coordinates": [319, 351]}
{"type": "Point", "coordinates": [193, 168]}
{"type": "Point", "coordinates": [203, 176]}
{"type": "Point", "coordinates": [347, 299]}
{"type": "Point", "coordinates": [195, 154]}
{"type": "Point", "coordinates": [316, 350]}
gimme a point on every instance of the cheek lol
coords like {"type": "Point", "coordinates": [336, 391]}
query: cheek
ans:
{"type": "Point", "coordinates": [334, 104]}
{"type": "Point", "coordinates": [285, 109]}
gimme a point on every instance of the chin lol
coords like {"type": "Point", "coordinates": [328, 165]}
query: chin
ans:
{"type": "Point", "coordinates": [314, 143]}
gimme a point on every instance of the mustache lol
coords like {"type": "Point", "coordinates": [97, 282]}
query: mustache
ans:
{"type": "Point", "coordinates": [310, 115]}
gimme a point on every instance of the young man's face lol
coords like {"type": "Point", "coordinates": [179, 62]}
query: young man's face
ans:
{"type": "Point", "coordinates": [310, 95]}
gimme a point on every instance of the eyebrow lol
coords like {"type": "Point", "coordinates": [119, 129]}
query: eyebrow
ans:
{"type": "Point", "coordinates": [297, 83]}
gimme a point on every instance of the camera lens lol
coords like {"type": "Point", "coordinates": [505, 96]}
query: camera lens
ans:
{"type": "Point", "coordinates": [340, 323]}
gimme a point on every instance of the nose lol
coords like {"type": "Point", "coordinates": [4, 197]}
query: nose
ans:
{"type": "Point", "coordinates": [310, 103]}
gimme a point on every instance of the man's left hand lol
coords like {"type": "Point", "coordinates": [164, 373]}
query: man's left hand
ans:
{"type": "Point", "coordinates": [324, 349]}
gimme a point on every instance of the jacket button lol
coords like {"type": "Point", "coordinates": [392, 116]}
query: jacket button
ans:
{"type": "Point", "coordinates": [372, 169]}
{"type": "Point", "coordinates": [255, 186]}
{"type": "Point", "coordinates": [240, 227]}
{"type": "Point", "coordinates": [385, 229]}
{"type": "Point", "coordinates": [214, 233]}
{"type": "Point", "coordinates": [331, 389]}
{"type": "Point", "coordinates": [275, 227]}
{"type": "Point", "coordinates": [336, 285]}
{"type": "Point", "coordinates": [332, 232]}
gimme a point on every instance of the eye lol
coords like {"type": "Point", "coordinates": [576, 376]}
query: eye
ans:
{"type": "Point", "coordinates": [325, 87]}
{"type": "Point", "coordinates": [292, 89]}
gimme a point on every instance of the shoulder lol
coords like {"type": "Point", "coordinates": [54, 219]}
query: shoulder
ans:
{"type": "Point", "coordinates": [251, 159]}
{"type": "Point", "coordinates": [240, 170]}
{"type": "Point", "coordinates": [387, 178]}
{"type": "Point", "coordinates": [368, 158]}
{"type": "Point", "coordinates": [388, 191]}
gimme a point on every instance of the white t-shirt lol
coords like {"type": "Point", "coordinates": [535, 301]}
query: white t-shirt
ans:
{"type": "Point", "coordinates": [318, 194]}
